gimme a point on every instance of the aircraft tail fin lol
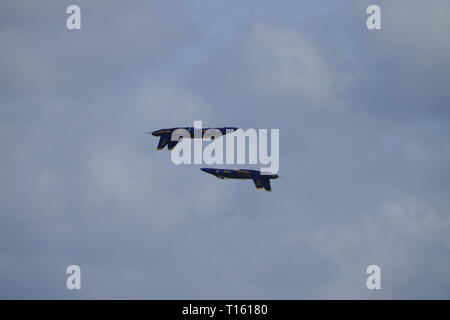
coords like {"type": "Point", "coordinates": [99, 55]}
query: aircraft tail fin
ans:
{"type": "Point", "coordinates": [172, 144]}
{"type": "Point", "coordinates": [262, 182]}
{"type": "Point", "coordinates": [163, 141]}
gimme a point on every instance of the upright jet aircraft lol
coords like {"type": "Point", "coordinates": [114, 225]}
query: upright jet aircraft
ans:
{"type": "Point", "coordinates": [166, 135]}
{"type": "Point", "coordinates": [260, 180]}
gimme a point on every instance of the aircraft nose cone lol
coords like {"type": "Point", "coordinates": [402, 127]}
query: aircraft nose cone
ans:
{"type": "Point", "coordinates": [155, 133]}
{"type": "Point", "coordinates": [207, 170]}
{"type": "Point", "coordinates": [275, 176]}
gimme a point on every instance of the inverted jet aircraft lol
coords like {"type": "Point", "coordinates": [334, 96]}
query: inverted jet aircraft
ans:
{"type": "Point", "coordinates": [260, 180]}
{"type": "Point", "coordinates": [166, 135]}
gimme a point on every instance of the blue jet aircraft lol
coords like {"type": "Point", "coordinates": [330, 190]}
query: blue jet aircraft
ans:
{"type": "Point", "coordinates": [260, 180]}
{"type": "Point", "coordinates": [166, 135]}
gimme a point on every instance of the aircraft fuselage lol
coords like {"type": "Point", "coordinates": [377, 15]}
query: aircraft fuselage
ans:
{"type": "Point", "coordinates": [169, 139]}
{"type": "Point", "coordinates": [261, 181]}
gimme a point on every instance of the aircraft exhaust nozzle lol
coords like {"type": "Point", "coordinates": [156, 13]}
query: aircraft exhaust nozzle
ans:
{"type": "Point", "coordinates": [154, 133]}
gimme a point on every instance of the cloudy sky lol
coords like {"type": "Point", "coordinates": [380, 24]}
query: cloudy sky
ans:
{"type": "Point", "coordinates": [364, 128]}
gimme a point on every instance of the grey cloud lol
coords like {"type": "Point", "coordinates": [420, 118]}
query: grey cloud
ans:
{"type": "Point", "coordinates": [363, 125]}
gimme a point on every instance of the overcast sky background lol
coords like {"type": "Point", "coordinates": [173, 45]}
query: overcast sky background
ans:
{"type": "Point", "coordinates": [364, 129]}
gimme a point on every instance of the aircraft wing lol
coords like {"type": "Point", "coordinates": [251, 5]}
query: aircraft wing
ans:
{"type": "Point", "coordinates": [163, 141]}
{"type": "Point", "coordinates": [262, 182]}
